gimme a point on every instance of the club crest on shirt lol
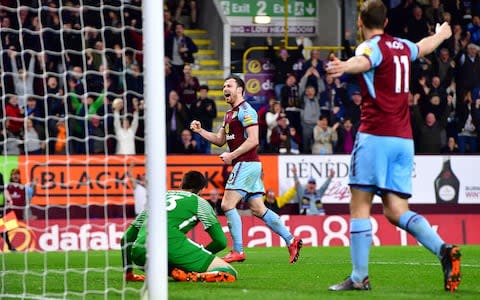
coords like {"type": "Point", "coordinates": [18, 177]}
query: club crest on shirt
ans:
{"type": "Point", "coordinates": [364, 49]}
{"type": "Point", "coordinates": [227, 128]}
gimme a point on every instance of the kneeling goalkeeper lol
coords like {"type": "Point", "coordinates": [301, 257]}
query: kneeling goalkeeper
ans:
{"type": "Point", "coordinates": [187, 260]}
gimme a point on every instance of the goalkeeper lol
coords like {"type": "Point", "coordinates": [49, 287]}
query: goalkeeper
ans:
{"type": "Point", "coordinates": [187, 260]}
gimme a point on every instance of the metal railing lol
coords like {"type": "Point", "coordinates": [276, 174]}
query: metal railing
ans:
{"type": "Point", "coordinates": [214, 21]}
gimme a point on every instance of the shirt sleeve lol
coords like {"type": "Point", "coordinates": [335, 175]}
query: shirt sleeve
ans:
{"type": "Point", "coordinates": [207, 217]}
{"type": "Point", "coordinates": [413, 48]}
{"type": "Point", "coordinates": [248, 116]}
{"type": "Point", "coordinates": [370, 50]}
{"type": "Point", "coordinates": [206, 214]}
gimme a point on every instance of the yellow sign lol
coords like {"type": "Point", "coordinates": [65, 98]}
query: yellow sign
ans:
{"type": "Point", "coordinates": [254, 66]}
{"type": "Point", "coordinates": [253, 86]}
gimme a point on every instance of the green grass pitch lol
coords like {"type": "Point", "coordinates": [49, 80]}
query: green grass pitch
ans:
{"type": "Point", "coordinates": [395, 273]}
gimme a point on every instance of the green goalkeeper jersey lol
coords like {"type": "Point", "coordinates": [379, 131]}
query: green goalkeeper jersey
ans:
{"type": "Point", "coordinates": [184, 211]}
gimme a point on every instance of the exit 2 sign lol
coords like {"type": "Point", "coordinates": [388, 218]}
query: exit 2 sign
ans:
{"type": "Point", "coordinates": [272, 8]}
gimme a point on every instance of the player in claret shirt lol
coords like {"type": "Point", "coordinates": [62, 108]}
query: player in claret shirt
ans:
{"type": "Point", "coordinates": [187, 260]}
{"type": "Point", "coordinates": [382, 158]}
{"type": "Point", "coordinates": [240, 132]}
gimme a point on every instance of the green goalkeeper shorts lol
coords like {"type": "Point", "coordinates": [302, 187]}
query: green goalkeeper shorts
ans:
{"type": "Point", "coordinates": [185, 254]}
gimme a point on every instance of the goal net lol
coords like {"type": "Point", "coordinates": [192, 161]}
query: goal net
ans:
{"type": "Point", "coordinates": [72, 139]}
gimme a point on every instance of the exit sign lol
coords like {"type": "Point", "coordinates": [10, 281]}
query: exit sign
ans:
{"type": "Point", "coordinates": [272, 8]}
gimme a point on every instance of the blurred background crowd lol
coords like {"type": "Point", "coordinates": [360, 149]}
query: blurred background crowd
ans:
{"type": "Point", "coordinates": [64, 66]}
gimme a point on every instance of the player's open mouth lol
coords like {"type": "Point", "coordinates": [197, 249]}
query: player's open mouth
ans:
{"type": "Point", "coordinates": [227, 95]}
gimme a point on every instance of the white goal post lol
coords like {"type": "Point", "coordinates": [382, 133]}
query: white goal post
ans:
{"type": "Point", "coordinates": [157, 283]}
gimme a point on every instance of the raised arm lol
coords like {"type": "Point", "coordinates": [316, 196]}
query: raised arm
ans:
{"type": "Point", "coordinates": [354, 65]}
{"type": "Point", "coordinates": [429, 44]}
{"type": "Point", "coordinates": [218, 138]}
{"type": "Point", "coordinates": [324, 187]}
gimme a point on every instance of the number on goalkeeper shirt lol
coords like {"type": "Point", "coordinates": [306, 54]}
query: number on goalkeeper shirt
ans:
{"type": "Point", "coordinates": [172, 201]}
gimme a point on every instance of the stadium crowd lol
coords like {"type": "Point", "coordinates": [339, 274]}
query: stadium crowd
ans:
{"type": "Point", "coordinates": [63, 66]}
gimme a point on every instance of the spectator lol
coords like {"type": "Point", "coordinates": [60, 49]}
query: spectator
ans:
{"type": "Point", "coordinates": [4, 209]}
{"type": "Point", "coordinates": [435, 106]}
{"type": "Point", "coordinates": [451, 147]}
{"type": "Point", "coordinates": [203, 109]}
{"type": "Point", "coordinates": [310, 105]}
{"type": "Point", "coordinates": [186, 12]}
{"type": "Point", "coordinates": [19, 195]}
{"type": "Point", "coordinates": [262, 124]}
{"type": "Point", "coordinates": [438, 89]}
{"type": "Point", "coordinates": [458, 41]}
{"type": "Point", "coordinates": [187, 144]}
{"type": "Point", "coordinates": [290, 100]}
{"type": "Point", "coordinates": [352, 108]}
{"type": "Point", "coordinates": [14, 114]}
{"type": "Point", "coordinates": [285, 139]}
{"type": "Point", "coordinates": [468, 122]}
{"type": "Point", "coordinates": [60, 140]}
{"type": "Point", "coordinates": [275, 203]}
{"type": "Point", "coordinates": [271, 118]}
{"type": "Point", "coordinates": [82, 109]}
{"type": "Point", "coordinates": [473, 29]}
{"type": "Point", "coordinates": [171, 79]}
{"type": "Point", "coordinates": [309, 197]}
{"type": "Point", "coordinates": [35, 112]}
{"type": "Point", "coordinates": [317, 64]}
{"type": "Point", "coordinates": [9, 36]}
{"type": "Point", "coordinates": [430, 131]}
{"type": "Point", "coordinates": [167, 24]}
{"type": "Point", "coordinates": [468, 76]}
{"type": "Point", "coordinates": [22, 79]}
{"type": "Point", "coordinates": [324, 137]}
{"type": "Point", "coordinates": [75, 80]}
{"type": "Point", "coordinates": [398, 17]}
{"type": "Point", "coordinates": [11, 141]}
{"type": "Point", "coordinates": [125, 132]}
{"type": "Point", "coordinates": [34, 142]}
{"type": "Point", "coordinates": [55, 102]}
{"type": "Point", "coordinates": [455, 8]}
{"type": "Point", "coordinates": [283, 64]}
{"type": "Point", "coordinates": [134, 81]}
{"type": "Point", "coordinates": [177, 118]}
{"type": "Point", "coordinates": [417, 26]}
{"type": "Point", "coordinates": [180, 48]}
{"type": "Point", "coordinates": [331, 104]}
{"type": "Point", "coordinates": [444, 67]}
{"type": "Point", "coordinates": [96, 136]}
{"type": "Point", "coordinates": [346, 137]}
{"type": "Point", "coordinates": [434, 13]}
{"type": "Point", "coordinates": [188, 86]}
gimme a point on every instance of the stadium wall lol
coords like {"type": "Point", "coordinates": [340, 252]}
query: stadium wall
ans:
{"type": "Point", "coordinates": [101, 180]}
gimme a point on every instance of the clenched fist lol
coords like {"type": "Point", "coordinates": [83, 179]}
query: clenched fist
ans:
{"type": "Point", "coordinates": [196, 126]}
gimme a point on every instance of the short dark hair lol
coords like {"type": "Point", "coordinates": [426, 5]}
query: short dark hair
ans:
{"type": "Point", "coordinates": [203, 87]}
{"type": "Point", "coordinates": [238, 80]}
{"type": "Point", "coordinates": [193, 181]}
{"type": "Point", "coordinates": [373, 14]}
{"type": "Point", "coordinates": [179, 23]}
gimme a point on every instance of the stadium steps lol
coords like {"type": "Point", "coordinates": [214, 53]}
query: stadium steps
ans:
{"type": "Point", "coordinates": [209, 70]}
